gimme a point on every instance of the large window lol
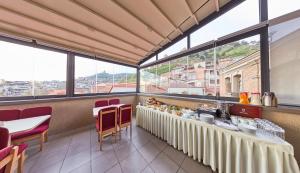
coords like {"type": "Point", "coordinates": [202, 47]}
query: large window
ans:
{"type": "Point", "coordinates": [28, 71]}
{"type": "Point", "coordinates": [285, 61]}
{"type": "Point", "coordinates": [277, 8]}
{"type": "Point", "coordinates": [94, 76]}
{"type": "Point", "coordinates": [227, 69]}
{"type": "Point", "coordinates": [244, 15]}
{"type": "Point", "coordinates": [238, 67]}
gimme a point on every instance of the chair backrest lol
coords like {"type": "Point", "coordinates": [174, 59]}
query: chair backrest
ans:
{"type": "Point", "coordinates": [101, 103]}
{"type": "Point", "coordinates": [107, 118]}
{"type": "Point", "coordinates": [4, 136]}
{"type": "Point", "coordinates": [8, 156]}
{"type": "Point", "coordinates": [36, 111]}
{"type": "Point", "coordinates": [125, 113]}
{"type": "Point", "coordinates": [7, 115]}
{"type": "Point", "coordinates": [114, 101]}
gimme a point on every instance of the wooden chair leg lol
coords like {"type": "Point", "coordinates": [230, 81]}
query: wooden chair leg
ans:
{"type": "Point", "coordinates": [42, 139]}
{"type": "Point", "coordinates": [100, 141]}
{"type": "Point", "coordinates": [46, 136]}
{"type": "Point", "coordinates": [21, 162]}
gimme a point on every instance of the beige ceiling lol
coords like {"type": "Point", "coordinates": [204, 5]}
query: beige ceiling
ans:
{"type": "Point", "coordinates": [120, 30]}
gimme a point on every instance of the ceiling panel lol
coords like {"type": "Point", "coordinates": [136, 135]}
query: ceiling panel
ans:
{"type": "Point", "coordinates": [120, 30]}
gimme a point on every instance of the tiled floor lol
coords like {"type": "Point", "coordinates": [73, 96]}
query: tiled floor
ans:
{"type": "Point", "coordinates": [79, 153]}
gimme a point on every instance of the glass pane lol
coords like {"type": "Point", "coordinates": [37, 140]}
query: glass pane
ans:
{"type": "Point", "coordinates": [277, 8]}
{"type": "Point", "coordinates": [152, 59]}
{"type": "Point", "coordinates": [50, 72]}
{"type": "Point", "coordinates": [178, 76]}
{"type": "Point", "coordinates": [124, 79]}
{"type": "Point", "coordinates": [163, 76]}
{"type": "Point", "coordinates": [238, 67]}
{"type": "Point", "coordinates": [16, 70]}
{"type": "Point", "coordinates": [244, 15]}
{"type": "Point", "coordinates": [28, 71]}
{"type": "Point", "coordinates": [175, 48]}
{"type": "Point", "coordinates": [200, 76]}
{"type": "Point", "coordinates": [105, 77]}
{"type": "Point", "coordinates": [85, 75]}
{"type": "Point", "coordinates": [285, 61]}
{"type": "Point", "coordinates": [148, 80]}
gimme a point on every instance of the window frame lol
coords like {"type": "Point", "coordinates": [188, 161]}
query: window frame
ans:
{"type": "Point", "coordinates": [70, 71]}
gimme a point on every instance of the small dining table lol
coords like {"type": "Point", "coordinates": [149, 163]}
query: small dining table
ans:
{"type": "Point", "coordinates": [22, 125]}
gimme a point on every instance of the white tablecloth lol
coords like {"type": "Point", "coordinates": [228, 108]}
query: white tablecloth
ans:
{"type": "Point", "coordinates": [222, 149]}
{"type": "Point", "coordinates": [25, 124]}
{"type": "Point", "coordinates": [97, 109]}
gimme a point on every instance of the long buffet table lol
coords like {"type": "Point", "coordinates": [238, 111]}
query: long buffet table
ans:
{"type": "Point", "coordinates": [224, 150]}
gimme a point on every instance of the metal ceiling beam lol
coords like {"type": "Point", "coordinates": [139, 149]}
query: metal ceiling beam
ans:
{"type": "Point", "coordinates": [164, 15]}
{"type": "Point", "coordinates": [190, 11]}
{"type": "Point", "coordinates": [67, 30]}
{"type": "Point", "coordinates": [82, 23]}
{"type": "Point", "coordinates": [71, 41]}
{"type": "Point", "coordinates": [140, 20]}
{"type": "Point", "coordinates": [83, 6]}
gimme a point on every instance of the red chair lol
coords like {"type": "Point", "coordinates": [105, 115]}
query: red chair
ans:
{"type": "Point", "coordinates": [101, 103]}
{"type": "Point", "coordinates": [8, 155]}
{"type": "Point", "coordinates": [106, 123]}
{"type": "Point", "coordinates": [8, 115]}
{"type": "Point", "coordinates": [125, 117]}
{"type": "Point", "coordinates": [114, 101]}
{"type": "Point", "coordinates": [40, 132]}
{"type": "Point", "coordinates": [18, 152]}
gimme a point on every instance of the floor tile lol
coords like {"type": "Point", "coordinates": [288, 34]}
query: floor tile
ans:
{"type": "Point", "coordinates": [181, 171]}
{"type": "Point", "coordinates": [123, 151]}
{"type": "Point", "coordinates": [148, 169]}
{"type": "Point", "coordinates": [140, 140]}
{"type": "Point", "coordinates": [149, 151]}
{"type": "Point", "coordinates": [85, 168]}
{"type": "Point", "coordinates": [175, 155]}
{"type": "Point", "coordinates": [160, 144]}
{"type": "Point", "coordinates": [134, 163]}
{"type": "Point", "coordinates": [54, 168]}
{"type": "Point", "coordinates": [115, 169]}
{"type": "Point", "coordinates": [162, 164]}
{"type": "Point", "coordinates": [76, 161]}
{"type": "Point", "coordinates": [192, 166]}
{"type": "Point", "coordinates": [104, 162]}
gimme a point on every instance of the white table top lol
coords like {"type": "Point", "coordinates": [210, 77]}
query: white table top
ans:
{"type": "Point", "coordinates": [25, 124]}
{"type": "Point", "coordinates": [97, 109]}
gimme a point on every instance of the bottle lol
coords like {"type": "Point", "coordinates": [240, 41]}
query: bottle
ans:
{"type": "Point", "coordinates": [267, 99]}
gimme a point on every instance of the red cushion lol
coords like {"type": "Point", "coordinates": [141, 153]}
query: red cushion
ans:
{"type": "Point", "coordinates": [126, 114]}
{"type": "Point", "coordinates": [108, 119]}
{"type": "Point", "coordinates": [114, 101]}
{"type": "Point", "coordinates": [35, 112]}
{"type": "Point", "coordinates": [7, 115]}
{"type": "Point", "coordinates": [101, 103]}
{"type": "Point", "coordinates": [37, 130]}
{"type": "Point", "coordinates": [22, 148]}
{"type": "Point", "coordinates": [4, 153]}
{"type": "Point", "coordinates": [3, 137]}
